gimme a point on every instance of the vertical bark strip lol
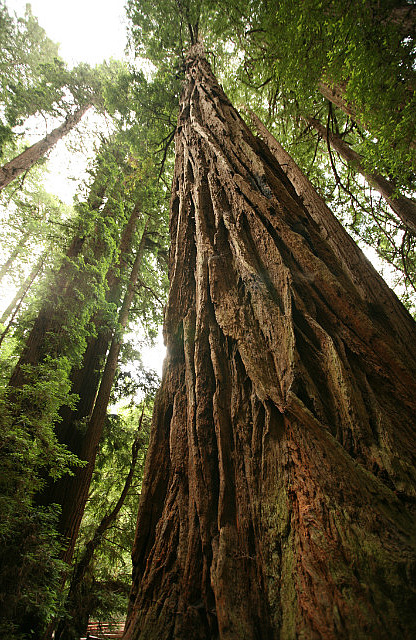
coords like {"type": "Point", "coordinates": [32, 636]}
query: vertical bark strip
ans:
{"type": "Point", "coordinates": [279, 491]}
{"type": "Point", "coordinates": [24, 161]}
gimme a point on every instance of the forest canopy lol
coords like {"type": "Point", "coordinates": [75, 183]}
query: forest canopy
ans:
{"type": "Point", "coordinates": [176, 181]}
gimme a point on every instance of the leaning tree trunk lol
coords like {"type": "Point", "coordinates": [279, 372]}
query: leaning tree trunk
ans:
{"type": "Point", "coordinates": [14, 306]}
{"type": "Point", "coordinates": [279, 491]}
{"type": "Point", "coordinates": [23, 162]}
{"type": "Point", "coordinates": [4, 269]}
{"type": "Point", "coordinates": [403, 207]}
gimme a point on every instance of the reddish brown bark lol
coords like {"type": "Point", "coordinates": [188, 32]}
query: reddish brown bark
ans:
{"type": "Point", "coordinates": [279, 491]}
{"type": "Point", "coordinates": [23, 162]}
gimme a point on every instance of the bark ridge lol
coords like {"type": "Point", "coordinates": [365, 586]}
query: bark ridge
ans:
{"type": "Point", "coordinates": [279, 491]}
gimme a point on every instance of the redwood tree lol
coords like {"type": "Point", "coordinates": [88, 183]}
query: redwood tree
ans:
{"type": "Point", "coordinates": [93, 387]}
{"type": "Point", "coordinates": [24, 161]}
{"type": "Point", "coordinates": [279, 492]}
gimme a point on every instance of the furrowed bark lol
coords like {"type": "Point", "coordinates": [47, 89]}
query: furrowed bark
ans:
{"type": "Point", "coordinates": [23, 162]}
{"type": "Point", "coordinates": [279, 492]}
{"type": "Point", "coordinates": [405, 208]}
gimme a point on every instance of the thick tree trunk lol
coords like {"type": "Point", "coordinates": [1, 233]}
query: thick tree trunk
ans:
{"type": "Point", "coordinates": [23, 162]}
{"type": "Point", "coordinates": [279, 492]}
{"type": "Point", "coordinates": [405, 208]}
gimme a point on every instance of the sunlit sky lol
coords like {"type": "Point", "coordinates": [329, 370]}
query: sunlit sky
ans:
{"type": "Point", "coordinates": [87, 31]}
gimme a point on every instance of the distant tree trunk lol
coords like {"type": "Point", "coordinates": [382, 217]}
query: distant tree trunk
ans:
{"type": "Point", "coordinates": [279, 492]}
{"type": "Point", "coordinates": [27, 158]}
{"type": "Point", "coordinates": [14, 306]}
{"type": "Point", "coordinates": [36, 344]}
{"type": "Point", "coordinates": [77, 486]}
{"type": "Point", "coordinates": [74, 430]}
{"type": "Point", "coordinates": [405, 208]}
{"type": "Point", "coordinates": [76, 622]}
{"type": "Point", "coordinates": [23, 289]}
{"type": "Point", "coordinates": [12, 257]}
{"type": "Point", "coordinates": [335, 93]}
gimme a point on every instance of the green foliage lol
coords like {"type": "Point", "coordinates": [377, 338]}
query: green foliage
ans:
{"type": "Point", "coordinates": [286, 50]}
{"type": "Point", "coordinates": [30, 573]}
{"type": "Point", "coordinates": [103, 591]}
{"type": "Point", "coordinates": [162, 30]}
{"type": "Point", "coordinates": [32, 74]}
{"type": "Point", "coordinates": [271, 57]}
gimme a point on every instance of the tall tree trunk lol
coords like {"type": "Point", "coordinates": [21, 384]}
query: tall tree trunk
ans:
{"type": "Point", "coordinates": [12, 257]}
{"type": "Point", "coordinates": [74, 625]}
{"type": "Point", "coordinates": [23, 162]}
{"type": "Point", "coordinates": [76, 487]}
{"type": "Point", "coordinates": [279, 491]}
{"type": "Point", "coordinates": [85, 383]}
{"type": "Point", "coordinates": [23, 289]}
{"type": "Point", "coordinates": [405, 208]}
{"type": "Point", "coordinates": [14, 306]}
